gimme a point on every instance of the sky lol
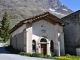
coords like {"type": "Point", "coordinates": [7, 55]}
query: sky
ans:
{"type": "Point", "coordinates": [74, 5]}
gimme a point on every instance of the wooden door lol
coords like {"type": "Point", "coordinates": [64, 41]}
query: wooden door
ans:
{"type": "Point", "coordinates": [44, 49]}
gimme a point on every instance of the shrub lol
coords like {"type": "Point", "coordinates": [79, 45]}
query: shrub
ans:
{"type": "Point", "coordinates": [62, 58]}
{"type": "Point", "coordinates": [37, 55]}
{"type": "Point", "coordinates": [16, 51]}
{"type": "Point", "coordinates": [47, 56]}
{"type": "Point", "coordinates": [28, 54]}
{"type": "Point", "coordinates": [22, 53]}
{"type": "Point", "coordinates": [1, 41]}
{"type": "Point", "coordinates": [11, 49]}
{"type": "Point", "coordinates": [68, 55]}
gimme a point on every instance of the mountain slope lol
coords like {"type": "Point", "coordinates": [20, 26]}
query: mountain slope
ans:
{"type": "Point", "coordinates": [23, 9]}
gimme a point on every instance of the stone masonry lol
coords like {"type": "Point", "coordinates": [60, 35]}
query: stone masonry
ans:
{"type": "Point", "coordinates": [72, 32]}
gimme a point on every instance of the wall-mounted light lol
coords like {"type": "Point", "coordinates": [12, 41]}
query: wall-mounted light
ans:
{"type": "Point", "coordinates": [58, 34]}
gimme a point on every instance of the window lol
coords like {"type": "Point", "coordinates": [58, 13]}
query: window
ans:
{"type": "Point", "coordinates": [41, 25]}
{"type": "Point", "coordinates": [43, 40]}
{"type": "Point", "coordinates": [33, 45]}
{"type": "Point", "coordinates": [51, 46]}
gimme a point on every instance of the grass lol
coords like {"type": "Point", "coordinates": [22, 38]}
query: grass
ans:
{"type": "Point", "coordinates": [67, 57]}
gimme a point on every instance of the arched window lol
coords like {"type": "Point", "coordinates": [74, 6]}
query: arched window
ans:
{"type": "Point", "coordinates": [51, 46]}
{"type": "Point", "coordinates": [43, 40]}
{"type": "Point", "coordinates": [33, 45]}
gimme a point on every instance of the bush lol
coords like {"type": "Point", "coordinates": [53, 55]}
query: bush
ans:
{"type": "Point", "coordinates": [62, 58]}
{"type": "Point", "coordinates": [1, 41]}
{"type": "Point", "coordinates": [47, 56]}
{"type": "Point", "coordinates": [22, 53]}
{"type": "Point", "coordinates": [68, 55]}
{"type": "Point", "coordinates": [37, 55]}
{"type": "Point", "coordinates": [11, 49]}
{"type": "Point", "coordinates": [28, 54]}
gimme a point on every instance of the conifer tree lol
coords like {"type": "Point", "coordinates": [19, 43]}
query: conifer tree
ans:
{"type": "Point", "coordinates": [5, 27]}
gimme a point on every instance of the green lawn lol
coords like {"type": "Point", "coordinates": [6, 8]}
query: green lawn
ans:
{"type": "Point", "coordinates": [67, 57]}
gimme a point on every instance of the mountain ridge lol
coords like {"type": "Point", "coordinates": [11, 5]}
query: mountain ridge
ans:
{"type": "Point", "coordinates": [22, 9]}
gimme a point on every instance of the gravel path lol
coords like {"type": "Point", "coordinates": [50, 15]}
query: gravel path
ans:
{"type": "Point", "coordinates": [5, 55]}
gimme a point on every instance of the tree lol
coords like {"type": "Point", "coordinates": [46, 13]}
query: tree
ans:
{"type": "Point", "coordinates": [5, 27]}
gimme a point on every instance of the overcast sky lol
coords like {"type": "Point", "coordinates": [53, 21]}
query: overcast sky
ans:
{"type": "Point", "coordinates": [71, 4]}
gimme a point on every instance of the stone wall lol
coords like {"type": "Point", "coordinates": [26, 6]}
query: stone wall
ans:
{"type": "Point", "coordinates": [18, 41]}
{"type": "Point", "coordinates": [13, 42]}
{"type": "Point", "coordinates": [78, 51]}
{"type": "Point", "coordinates": [72, 32]}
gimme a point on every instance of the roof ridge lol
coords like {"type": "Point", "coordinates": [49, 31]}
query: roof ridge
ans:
{"type": "Point", "coordinates": [40, 16]}
{"type": "Point", "coordinates": [71, 14]}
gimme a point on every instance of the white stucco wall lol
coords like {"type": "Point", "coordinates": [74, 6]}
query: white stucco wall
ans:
{"type": "Point", "coordinates": [29, 38]}
{"type": "Point", "coordinates": [53, 32]}
{"type": "Point", "coordinates": [33, 31]}
{"type": "Point", "coordinates": [48, 27]}
{"type": "Point", "coordinates": [19, 30]}
{"type": "Point", "coordinates": [61, 40]}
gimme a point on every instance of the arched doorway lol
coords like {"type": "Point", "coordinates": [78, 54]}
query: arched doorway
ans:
{"type": "Point", "coordinates": [43, 42]}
